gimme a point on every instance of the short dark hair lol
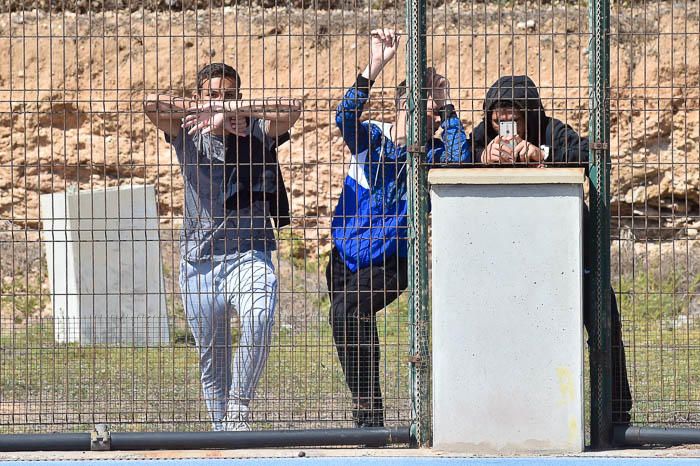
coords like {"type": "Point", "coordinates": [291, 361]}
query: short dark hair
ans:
{"type": "Point", "coordinates": [400, 93]}
{"type": "Point", "coordinates": [217, 70]}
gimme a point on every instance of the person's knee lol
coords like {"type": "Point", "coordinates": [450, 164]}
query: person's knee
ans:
{"type": "Point", "coordinates": [264, 304]}
{"type": "Point", "coordinates": [338, 322]}
{"type": "Point", "coordinates": [265, 315]}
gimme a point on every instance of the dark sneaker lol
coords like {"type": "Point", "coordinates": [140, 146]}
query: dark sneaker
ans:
{"type": "Point", "coordinates": [368, 418]}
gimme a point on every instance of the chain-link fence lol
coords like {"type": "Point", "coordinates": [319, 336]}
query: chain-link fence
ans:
{"type": "Point", "coordinates": [150, 280]}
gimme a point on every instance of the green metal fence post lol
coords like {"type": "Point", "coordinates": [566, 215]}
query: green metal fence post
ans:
{"type": "Point", "coordinates": [418, 223]}
{"type": "Point", "coordinates": [599, 280]}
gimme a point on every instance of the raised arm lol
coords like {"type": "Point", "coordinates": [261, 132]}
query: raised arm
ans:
{"type": "Point", "coordinates": [455, 147]}
{"type": "Point", "coordinates": [347, 115]}
{"type": "Point", "coordinates": [166, 111]}
{"type": "Point", "coordinates": [384, 43]}
{"type": "Point", "coordinates": [279, 115]}
{"type": "Point", "coordinates": [283, 120]}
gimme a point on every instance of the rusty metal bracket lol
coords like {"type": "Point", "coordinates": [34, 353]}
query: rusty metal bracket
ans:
{"type": "Point", "coordinates": [100, 438]}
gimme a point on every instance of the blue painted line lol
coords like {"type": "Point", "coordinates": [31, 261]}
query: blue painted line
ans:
{"type": "Point", "coordinates": [396, 461]}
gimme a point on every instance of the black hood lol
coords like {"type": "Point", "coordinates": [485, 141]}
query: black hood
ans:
{"type": "Point", "coordinates": [522, 92]}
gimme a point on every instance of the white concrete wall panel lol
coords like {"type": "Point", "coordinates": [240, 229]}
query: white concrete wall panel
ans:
{"type": "Point", "coordinates": [103, 255]}
{"type": "Point", "coordinates": [507, 317]}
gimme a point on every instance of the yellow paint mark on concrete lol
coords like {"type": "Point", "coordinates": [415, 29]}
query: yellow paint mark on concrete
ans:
{"type": "Point", "coordinates": [566, 385]}
{"type": "Point", "coordinates": [573, 430]}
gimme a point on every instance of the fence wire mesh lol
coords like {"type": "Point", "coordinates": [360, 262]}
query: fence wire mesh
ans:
{"type": "Point", "coordinates": [95, 282]}
{"type": "Point", "coordinates": [655, 205]}
{"type": "Point", "coordinates": [93, 325]}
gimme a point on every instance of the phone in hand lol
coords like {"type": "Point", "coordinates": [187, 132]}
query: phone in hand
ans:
{"type": "Point", "coordinates": [508, 129]}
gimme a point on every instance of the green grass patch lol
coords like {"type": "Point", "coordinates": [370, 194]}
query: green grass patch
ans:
{"type": "Point", "coordinates": [292, 247]}
{"type": "Point", "coordinates": [647, 296]}
{"type": "Point", "coordinates": [47, 386]}
{"type": "Point", "coordinates": [20, 298]}
{"type": "Point", "coordinates": [661, 336]}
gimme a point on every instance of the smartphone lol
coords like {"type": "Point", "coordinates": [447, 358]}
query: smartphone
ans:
{"type": "Point", "coordinates": [508, 129]}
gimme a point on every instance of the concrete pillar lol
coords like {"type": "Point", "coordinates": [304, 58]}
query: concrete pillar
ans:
{"type": "Point", "coordinates": [507, 310]}
{"type": "Point", "coordinates": [103, 256]}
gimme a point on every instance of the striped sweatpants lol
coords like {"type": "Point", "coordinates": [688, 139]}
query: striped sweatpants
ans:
{"type": "Point", "coordinates": [244, 283]}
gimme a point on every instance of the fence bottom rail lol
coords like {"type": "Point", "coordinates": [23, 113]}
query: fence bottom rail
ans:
{"type": "Point", "coordinates": [635, 436]}
{"type": "Point", "coordinates": [371, 437]}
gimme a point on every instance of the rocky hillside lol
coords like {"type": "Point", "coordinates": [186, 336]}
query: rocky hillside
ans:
{"type": "Point", "coordinates": [71, 87]}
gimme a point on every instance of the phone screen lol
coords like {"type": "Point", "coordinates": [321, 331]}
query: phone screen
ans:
{"type": "Point", "coordinates": [507, 129]}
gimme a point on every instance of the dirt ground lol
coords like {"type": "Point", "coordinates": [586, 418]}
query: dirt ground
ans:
{"type": "Point", "coordinates": [71, 88]}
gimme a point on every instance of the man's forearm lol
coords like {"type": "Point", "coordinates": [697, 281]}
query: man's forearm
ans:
{"type": "Point", "coordinates": [274, 108]}
{"type": "Point", "coordinates": [172, 106]}
{"type": "Point", "coordinates": [372, 70]}
{"type": "Point", "coordinates": [166, 111]}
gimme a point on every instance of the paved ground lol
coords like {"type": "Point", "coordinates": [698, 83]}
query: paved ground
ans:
{"type": "Point", "coordinates": [349, 457]}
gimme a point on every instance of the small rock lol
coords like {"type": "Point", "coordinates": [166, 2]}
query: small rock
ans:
{"type": "Point", "coordinates": [18, 18]}
{"type": "Point", "coordinates": [694, 307]}
{"type": "Point", "coordinates": [529, 24]}
{"type": "Point", "coordinates": [692, 232]}
{"type": "Point", "coordinates": [302, 454]}
{"type": "Point", "coordinates": [38, 14]}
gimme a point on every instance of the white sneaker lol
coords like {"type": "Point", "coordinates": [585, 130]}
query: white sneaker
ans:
{"type": "Point", "coordinates": [236, 419]}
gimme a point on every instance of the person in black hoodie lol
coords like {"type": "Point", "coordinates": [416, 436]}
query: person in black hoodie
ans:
{"type": "Point", "coordinates": [540, 140]}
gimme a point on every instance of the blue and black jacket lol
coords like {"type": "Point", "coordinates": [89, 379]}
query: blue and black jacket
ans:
{"type": "Point", "coordinates": [370, 222]}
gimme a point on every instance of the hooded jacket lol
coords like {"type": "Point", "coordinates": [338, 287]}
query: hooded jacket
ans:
{"type": "Point", "coordinates": [563, 143]}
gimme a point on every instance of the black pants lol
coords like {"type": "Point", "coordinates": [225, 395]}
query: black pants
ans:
{"type": "Point", "coordinates": [356, 297]}
{"type": "Point", "coordinates": [621, 394]}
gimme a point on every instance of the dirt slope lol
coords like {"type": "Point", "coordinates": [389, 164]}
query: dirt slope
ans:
{"type": "Point", "coordinates": [71, 89]}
